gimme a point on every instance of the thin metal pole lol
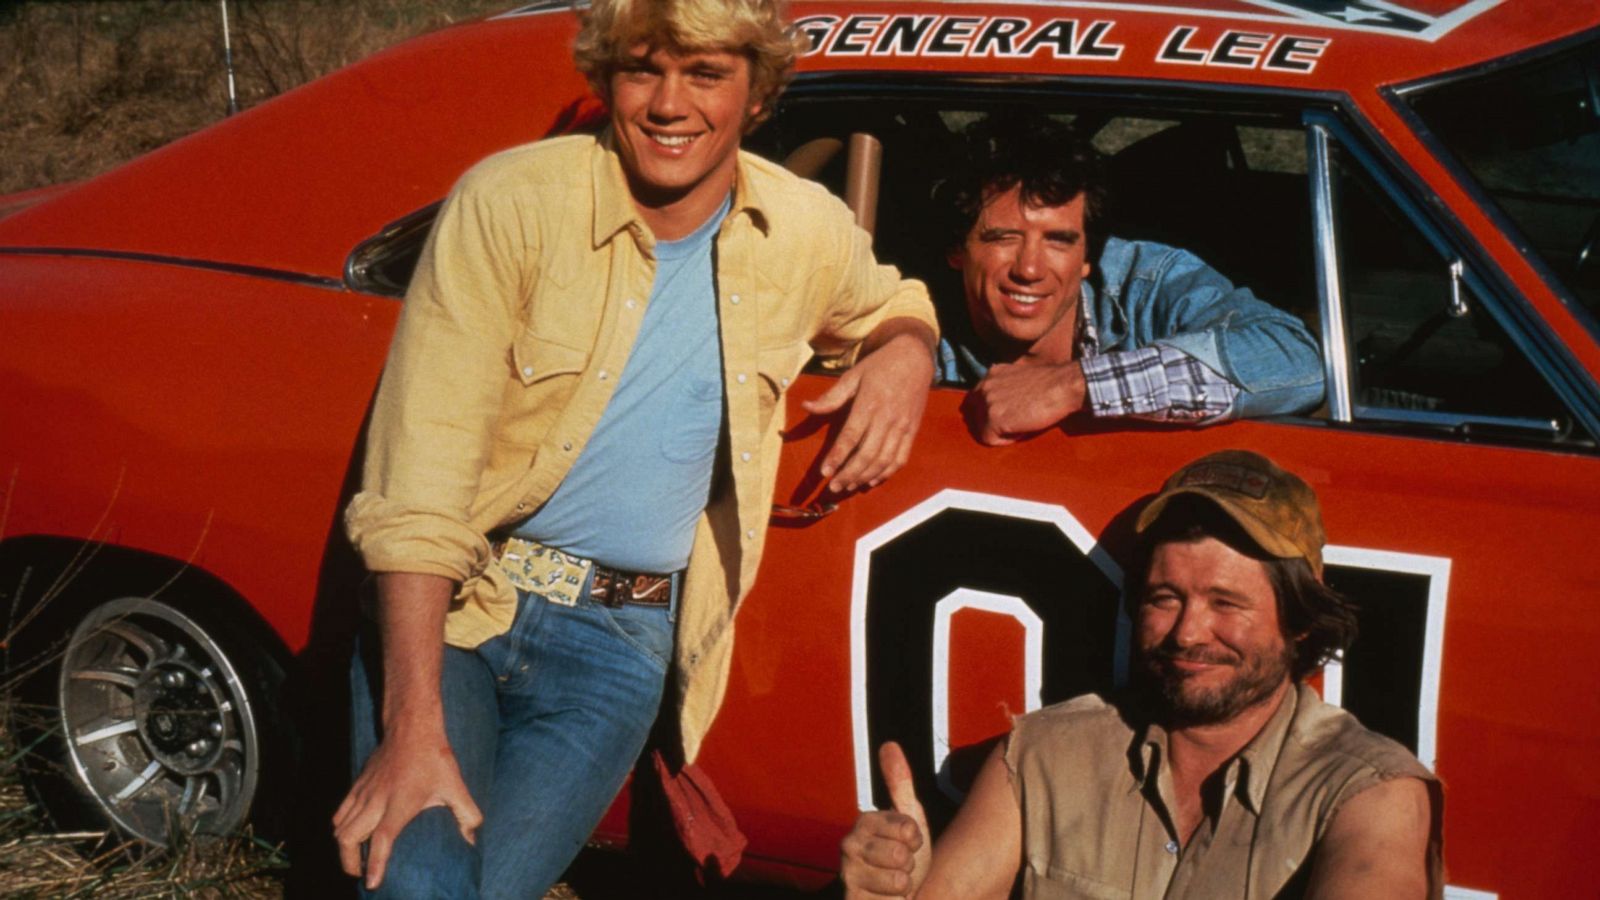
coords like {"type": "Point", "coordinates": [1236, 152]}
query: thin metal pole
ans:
{"type": "Point", "coordinates": [1335, 338]}
{"type": "Point", "coordinates": [227, 59]}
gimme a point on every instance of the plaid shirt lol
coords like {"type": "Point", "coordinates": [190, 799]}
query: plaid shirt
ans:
{"type": "Point", "coordinates": [1158, 383]}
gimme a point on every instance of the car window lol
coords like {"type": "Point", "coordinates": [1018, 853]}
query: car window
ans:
{"type": "Point", "coordinates": [1230, 188]}
{"type": "Point", "coordinates": [1531, 138]}
{"type": "Point", "coordinates": [1233, 186]}
{"type": "Point", "coordinates": [1420, 343]}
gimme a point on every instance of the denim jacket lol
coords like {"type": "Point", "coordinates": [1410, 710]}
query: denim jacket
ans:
{"type": "Point", "coordinates": [1148, 294]}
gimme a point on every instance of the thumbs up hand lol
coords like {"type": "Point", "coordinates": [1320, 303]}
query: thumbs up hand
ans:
{"type": "Point", "coordinates": [887, 853]}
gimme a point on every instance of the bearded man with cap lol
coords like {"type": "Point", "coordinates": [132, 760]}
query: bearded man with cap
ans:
{"type": "Point", "coordinates": [1219, 772]}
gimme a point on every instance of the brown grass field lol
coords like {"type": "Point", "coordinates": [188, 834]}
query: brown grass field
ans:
{"type": "Point", "coordinates": [88, 84]}
{"type": "Point", "coordinates": [84, 86]}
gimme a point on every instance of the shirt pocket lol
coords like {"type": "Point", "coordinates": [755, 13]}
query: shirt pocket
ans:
{"type": "Point", "coordinates": [1055, 883]}
{"type": "Point", "coordinates": [691, 438]}
{"type": "Point", "coordinates": [544, 375]}
{"type": "Point", "coordinates": [538, 359]}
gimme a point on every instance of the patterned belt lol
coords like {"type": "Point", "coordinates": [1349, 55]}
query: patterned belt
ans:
{"type": "Point", "coordinates": [559, 576]}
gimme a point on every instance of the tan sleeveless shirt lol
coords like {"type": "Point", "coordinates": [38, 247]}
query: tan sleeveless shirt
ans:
{"type": "Point", "coordinates": [1095, 792]}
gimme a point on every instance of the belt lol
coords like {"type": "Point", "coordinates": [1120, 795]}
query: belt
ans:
{"type": "Point", "coordinates": [560, 576]}
{"type": "Point", "coordinates": [614, 587]}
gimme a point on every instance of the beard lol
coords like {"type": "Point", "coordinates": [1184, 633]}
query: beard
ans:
{"type": "Point", "coordinates": [1185, 704]}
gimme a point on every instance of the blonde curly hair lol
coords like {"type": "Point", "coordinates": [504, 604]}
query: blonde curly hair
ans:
{"type": "Point", "coordinates": [757, 28]}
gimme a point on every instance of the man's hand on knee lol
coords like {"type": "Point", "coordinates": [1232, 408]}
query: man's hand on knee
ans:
{"type": "Point", "coordinates": [407, 774]}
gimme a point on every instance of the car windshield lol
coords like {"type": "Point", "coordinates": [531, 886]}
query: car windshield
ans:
{"type": "Point", "coordinates": [1530, 135]}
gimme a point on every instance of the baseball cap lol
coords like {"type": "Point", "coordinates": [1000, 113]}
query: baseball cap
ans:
{"type": "Point", "coordinates": [1274, 506]}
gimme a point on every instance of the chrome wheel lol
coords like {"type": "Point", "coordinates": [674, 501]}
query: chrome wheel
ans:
{"type": "Point", "coordinates": [157, 722]}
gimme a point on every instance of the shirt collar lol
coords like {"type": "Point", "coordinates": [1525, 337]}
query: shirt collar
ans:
{"type": "Point", "coordinates": [1259, 757]}
{"type": "Point", "coordinates": [1249, 771]}
{"type": "Point", "coordinates": [1148, 752]}
{"type": "Point", "coordinates": [613, 204]}
{"type": "Point", "coordinates": [1088, 337]}
{"type": "Point", "coordinates": [747, 195]}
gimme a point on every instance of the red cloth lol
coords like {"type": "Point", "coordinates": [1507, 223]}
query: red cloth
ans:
{"type": "Point", "coordinates": [704, 822]}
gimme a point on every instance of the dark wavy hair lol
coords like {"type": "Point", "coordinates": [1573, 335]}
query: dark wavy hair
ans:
{"type": "Point", "coordinates": [1050, 160]}
{"type": "Point", "coordinates": [1317, 621]}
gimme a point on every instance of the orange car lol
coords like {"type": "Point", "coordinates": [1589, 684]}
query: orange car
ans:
{"type": "Point", "coordinates": [189, 345]}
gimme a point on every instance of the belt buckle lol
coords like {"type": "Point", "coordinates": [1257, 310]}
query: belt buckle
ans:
{"type": "Point", "coordinates": [532, 566]}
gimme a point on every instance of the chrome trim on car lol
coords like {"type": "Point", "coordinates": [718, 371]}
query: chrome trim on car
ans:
{"type": "Point", "coordinates": [1512, 60]}
{"type": "Point", "coordinates": [1462, 423]}
{"type": "Point", "coordinates": [1458, 296]}
{"type": "Point", "coordinates": [539, 7]}
{"type": "Point", "coordinates": [318, 281]}
{"type": "Point", "coordinates": [361, 267]}
{"type": "Point", "coordinates": [1335, 339]}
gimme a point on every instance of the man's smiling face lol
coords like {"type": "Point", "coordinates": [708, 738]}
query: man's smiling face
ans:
{"type": "Point", "coordinates": [1208, 634]}
{"type": "Point", "coordinates": [678, 118]}
{"type": "Point", "coordinates": [1022, 265]}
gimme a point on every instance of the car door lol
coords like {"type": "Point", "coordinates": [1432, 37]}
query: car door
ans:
{"type": "Point", "coordinates": [1460, 490]}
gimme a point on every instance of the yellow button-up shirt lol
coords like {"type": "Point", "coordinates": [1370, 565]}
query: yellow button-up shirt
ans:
{"type": "Point", "coordinates": [523, 309]}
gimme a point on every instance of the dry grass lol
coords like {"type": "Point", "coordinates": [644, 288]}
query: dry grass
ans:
{"type": "Point", "coordinates": [36, 862]}
{"type": "Point", "coordinates": [87, 85]}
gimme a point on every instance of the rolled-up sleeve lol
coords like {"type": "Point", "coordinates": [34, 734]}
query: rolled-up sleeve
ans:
{"type": "Point", "coordinates": [440, 395]}
{"type": "Point", "coordinates": [1157, 383]}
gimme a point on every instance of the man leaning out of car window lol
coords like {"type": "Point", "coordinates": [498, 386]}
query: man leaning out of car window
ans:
{"type": "Point", "coordinates": [1155, 333]}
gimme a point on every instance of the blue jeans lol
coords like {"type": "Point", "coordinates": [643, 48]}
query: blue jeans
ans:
{"type": "Point", "coordinates": [545, 722]}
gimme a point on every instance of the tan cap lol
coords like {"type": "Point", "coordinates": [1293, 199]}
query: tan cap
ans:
{"type": "Point", "coordinates": [1273, 506]}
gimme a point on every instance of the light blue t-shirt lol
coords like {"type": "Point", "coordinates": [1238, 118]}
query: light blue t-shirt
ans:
{"type": "Point", "coordinates": [634, 494]}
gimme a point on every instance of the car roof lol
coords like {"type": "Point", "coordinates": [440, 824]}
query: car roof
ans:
{"type": "Point", "coordinates": [294, 184]}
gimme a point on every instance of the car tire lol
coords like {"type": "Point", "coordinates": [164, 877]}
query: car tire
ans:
{"type": "Point", "coordinates": [149, 717]}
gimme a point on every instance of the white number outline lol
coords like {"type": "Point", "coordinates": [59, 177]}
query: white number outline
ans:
{"type": "Point", "coordinates": [1014, 608]}
{"type": "Point", "coordinates": [1437, 570]}
{"type": "Point", "coordinates": [950, 498]}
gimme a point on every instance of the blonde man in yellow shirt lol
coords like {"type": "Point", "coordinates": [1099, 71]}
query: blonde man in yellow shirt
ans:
{"type": "Point", "coordinates": [595, 328]}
